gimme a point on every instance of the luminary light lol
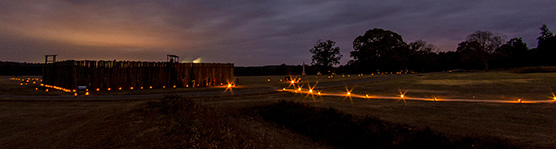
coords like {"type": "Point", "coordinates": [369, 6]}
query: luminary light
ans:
{"type": "Point", "coordinates": [367, 96]}
{"type": "Point", "coordinates": [229, 85]}
{"type": "Point", "coordinates": [98, 89]}
{"type": "Point", "coordinates": [46, 90]}
{"type": "Point", "coordinates": [141, 87]}
{"type": "Point", "coordinates": [163, 86]}
{"type": "Point", "coordinates": [86, 93]}
{"type": "Point", "coordinates": [74, 94]}
{"type": "Point", "coordinates": [131, 88]}
{"type": "Point", "coordinates": [318, 93]}
{"type": "Point", "coordinates": [150, 87]}
{"type": "Point", "coordinates": [108, 89]}
{"type": "Point", "coordinates": [299, 89]}
{"type": "Point", "coordinates": [310, 91]}
{"type": "Point", "coordinates": [283, 89]}
{"type": "Point", "coordinates": [174, 86]}
{"type": "Point", "coordinates": [120, 88]}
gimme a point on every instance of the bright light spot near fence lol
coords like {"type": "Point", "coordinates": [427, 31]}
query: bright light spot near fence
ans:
{"type": "Point", "coordinates": [86, 93]}
{"type": "Point", "coordinates": [310, 91]}
{"type": "Point", "coordinates": [299, 89]}
{"type": "Point", "coordinates": [283, 89]}
{"type": "Point", "coordinates": [229, 85]}
{"type": "Point", "coordinates": [198, 60]}
{"type": "Point", "coordinates": [366, 95]}
{"type": "Point", "coordinates": [98, 89]}
{"type": "Point", "coordinates": [318, 93]}
{"type": "Point", "coordinates": [519, 100]}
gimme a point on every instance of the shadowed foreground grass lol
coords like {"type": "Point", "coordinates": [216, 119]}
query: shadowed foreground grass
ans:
{"type": "Point", "coordinates": [346, 131]}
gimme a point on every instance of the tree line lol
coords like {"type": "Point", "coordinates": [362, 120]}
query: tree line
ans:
{"type": "Point", "coordinates": [379, 50]}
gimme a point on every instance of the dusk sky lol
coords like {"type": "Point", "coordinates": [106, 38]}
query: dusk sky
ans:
{"type": "Point", "coordinates": [248, 33]}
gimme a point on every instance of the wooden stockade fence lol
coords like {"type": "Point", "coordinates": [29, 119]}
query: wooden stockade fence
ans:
{"type": "Point", "coordinates": [127, 74]}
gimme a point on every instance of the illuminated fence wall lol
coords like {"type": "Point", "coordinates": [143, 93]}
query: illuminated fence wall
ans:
{"type": "Point", "coordinates": [126, 74]}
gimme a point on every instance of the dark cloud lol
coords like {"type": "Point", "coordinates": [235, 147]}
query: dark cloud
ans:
{"type": "Point", "coordinates": [247, 32]}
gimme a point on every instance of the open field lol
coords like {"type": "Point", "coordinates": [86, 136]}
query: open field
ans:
{"type": "Point", "coordinates": [529, 125]}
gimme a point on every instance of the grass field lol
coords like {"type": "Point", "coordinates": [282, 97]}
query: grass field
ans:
{"type": "Point", "coordinates": [527, 125]}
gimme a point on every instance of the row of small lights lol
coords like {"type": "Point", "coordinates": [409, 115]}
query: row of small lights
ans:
{"type": "Point", "coordinates": [25, 81]}
{"type": "Point", "coordinates": [349, 93]}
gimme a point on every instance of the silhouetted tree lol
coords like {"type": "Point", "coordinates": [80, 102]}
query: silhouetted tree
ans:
{"type": "Point", "coordinates": [546, 47]}
{"type": "Point", "coordinates": [423, 57]}
{"type": "Point", "coordinates": [379, 49]}
{"type": "Point", "coordinates": [479, 46]}
{"type": "Point", "coordinates": [325, 54]}
{"type": "Point", "coordinates": [513, 53]}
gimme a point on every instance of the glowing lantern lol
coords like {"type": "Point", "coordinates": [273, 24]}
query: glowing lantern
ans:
{"type": "Point", "coordinates": [519, 100]}
{"type": "Point", "coordinates": [98, 89]}
{"type": "Point", "coordinates": [268, 80]}
{"type": "Point", "coordinates": [188, 85]}
{"type": "Point", "coordinates": [283, 89]}
{"type": "Point", "coordinates": [108, 89]}
{"type": "Point", "coordinates": [229, 85]}
{"type": "Point", "coordinates": [174, 86]}
{"type": "Point", "coordinates": [150, 87]}
{"type": "Point", "coordinates": [37, 89]}
{"type": "Point", "coordinates": [131, 88]}
{"type": "Point", "coordinates": [42, 84]}
{"type": "Point", "coordinates": [21, 84]}
{"type": "Point", "coordinates": [34, 82]}
{"type": "Point", "coordinates": [299, 89]}
{"type": "Point", "coordinates": [76, 90]}
{"type": "Point", "coordinates": [120, 88]}
{"type": "Point", "coordinates": [141, 87]}
{"type": "Point", "coordinates": [310, 91]}
{"type": "Point", "coordinates": [74, 94]}
{"type": "Point", "coordinates": [163, 86]}
{"type": "Point", "coordinates": [86, 90]}
{"type": "Point", "coordinates": [292, 82]}
{"type": "Point", "coordinates": [401, 96]}
{"type": "Point", "coordinates": [86, 93]}
{"type": "Point", "coordinates": [46, 90]}
{"type": "Point", "coordinates": [318, 93]}
{"type": "Point", "coordinates": [367, 96]}
{"type": "Point", "coordinates": [348, 93]}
